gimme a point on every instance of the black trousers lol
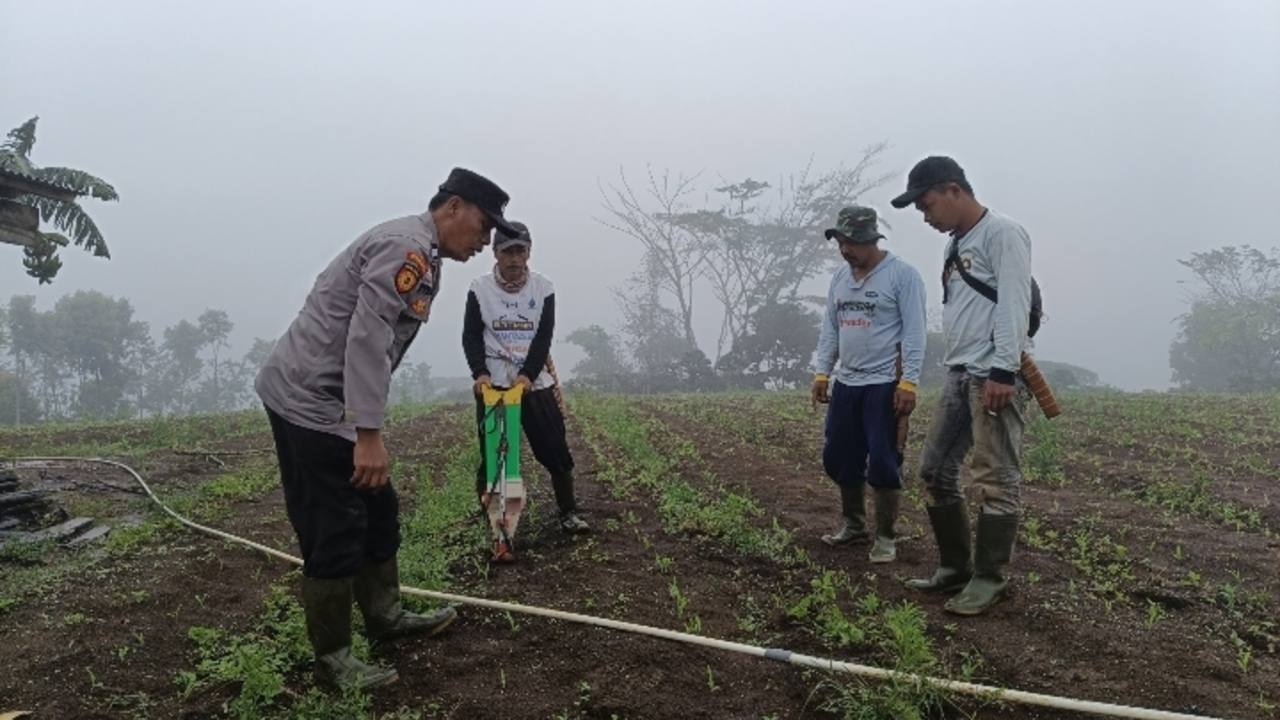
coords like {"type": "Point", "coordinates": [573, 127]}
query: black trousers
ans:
{"type": "Point", "coordinates": [544, 428]}
{"type": "Point", "coordinates": [862, 437]}
{"type": "Point", "coordinates": [340, 529]}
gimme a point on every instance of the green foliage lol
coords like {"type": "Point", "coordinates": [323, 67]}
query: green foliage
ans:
{"type": "Point", "coordinates": [25, 552]}
{"type": "Point", "coordinates": [411, 384]}
{"type": "Point", "coordinates": [637, 455]}
{"type": "Point", "coordinates": [1042, 454]}
{"type": "Point", "coordinates": [774, 353]}
{"type": "Point", "coordinates": [650, 458]}
{"type": "Point", "coordinates": [257, 661]}
{"type": "Point", "coordinates": [896, 633]}
{"type": "Point", "coordinates": [1065, 376]}
{"type": "Point", "coordinates": [88, 358]}
{"type": "Point", "coordinates": [436, 536]}
{"type": "Point", "coordinates": [1229, 340]}
{"type": "Point", "coordinates": [753, 244]}
{"type": "Point", "coordinates": [18, 147]}
{"type": "Point", "coordinates": [602, 358]}
{"type": "Point", "coordinates": [41, 260]}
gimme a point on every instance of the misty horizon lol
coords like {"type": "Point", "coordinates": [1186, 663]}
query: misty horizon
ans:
{"type": "Point", "coordinates": [250, 144]}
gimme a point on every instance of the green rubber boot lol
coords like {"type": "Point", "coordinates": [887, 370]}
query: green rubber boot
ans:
{"type": "Point", "coordinates": [994, 547]}
{"type": "Point", "coordinates": [377, 591]}
{"type": "Point", "coordinates": [853, 508]}
{"type": "Point", "coordinates": [951, 530]}
{"type": "Point", "coordinates": [327, 605]}
{"type": "Point", "coordinates": [885, 549]}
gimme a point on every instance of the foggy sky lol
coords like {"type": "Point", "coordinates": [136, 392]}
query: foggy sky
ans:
{"type": "Point", "coordinates": [250, 142]}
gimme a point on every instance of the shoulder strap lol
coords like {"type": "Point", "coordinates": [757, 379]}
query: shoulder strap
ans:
{"type": "Point", "coordinates": [983, 289]}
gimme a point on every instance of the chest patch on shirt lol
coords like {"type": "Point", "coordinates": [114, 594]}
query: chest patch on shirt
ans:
{"type": "Point", "coordinates": [856, 313]}
{"type": "Point", "coordinates": [518, 323]}
{"type": "Point", "coordinates": [965, 260]}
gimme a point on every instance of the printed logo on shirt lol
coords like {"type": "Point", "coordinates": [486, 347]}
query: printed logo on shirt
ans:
{"type": "Point", "coordinates": [856, 313]}
{"type": "Point", "coordinates": [871, 294]}
{"type": "Point", "coordinates": [965, 260]}
{"type": "Point", "coordinates": [520, 323]}
{"type": "Point", "coordinates": [861, 306]}
{"type": "Point", "coordinates": [532, 303]}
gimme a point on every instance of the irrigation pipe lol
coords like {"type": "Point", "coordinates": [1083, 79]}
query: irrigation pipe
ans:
{"type": "Point", "coordinates": [984, 692]}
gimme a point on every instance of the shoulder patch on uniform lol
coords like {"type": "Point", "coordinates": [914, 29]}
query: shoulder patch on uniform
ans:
{"type": "Point", "coordinates": [407, 278]}
{"type": "Point", "coordinates": [416, 259]}
{"type": "Point", "coordinates": [420, 306]}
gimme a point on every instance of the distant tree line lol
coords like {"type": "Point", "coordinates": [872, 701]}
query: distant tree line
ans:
{"type": "Point", "coordinates": [604, 367]}
{"type": "Point", "coordinates": [89, 358]}
{"type": "Point", "coordinates": [750, 245]}
{"type": "Point", "coordinates": [1229, 338]}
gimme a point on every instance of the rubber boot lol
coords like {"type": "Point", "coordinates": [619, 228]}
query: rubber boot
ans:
{"type": "Point", "coordinates": [885, 550]}
{"type": "Point", "coordinates": [327, 605]}
{"type": "Point", "coordinates": [854, 510]}
{"type": "Point", "coordinates": [992, 550]}
{"type": "Point", "coordinates": [377, 592]}
{"type": "Point", "coordinates": [951, 530]}
{"type": "Point", "coordinates": [570, 522]}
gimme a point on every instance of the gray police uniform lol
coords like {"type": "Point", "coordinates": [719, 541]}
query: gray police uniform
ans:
{"type": "Point", "coordinates": [330, 374]}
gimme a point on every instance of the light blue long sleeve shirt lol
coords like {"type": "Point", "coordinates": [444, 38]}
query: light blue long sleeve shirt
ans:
{"type": "Point", "coordinates": [980, 334]}
{"type": "Point", "coordinates": [866, 320]}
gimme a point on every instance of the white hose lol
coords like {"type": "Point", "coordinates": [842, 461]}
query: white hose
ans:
{"type": "Point", "coordinates": [982, 691]}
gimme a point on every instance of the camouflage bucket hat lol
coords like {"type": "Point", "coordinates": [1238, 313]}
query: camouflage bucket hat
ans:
{"type": "Point", "coordinates": [856, 224]}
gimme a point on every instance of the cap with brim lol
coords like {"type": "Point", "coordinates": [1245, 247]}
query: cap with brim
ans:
{"type": "Point", "coordinates": [483, 193]}
{"type": "Point", "coordinates": [927, 173]}
{"type": "Point", "coordinates": [499, 223]}
{"type": "Point", "coordinates": [860, 239]}
{"type": "Point", "coordinates": [521, 236]}
{"type": "Point", "coordinates": [856, 224]}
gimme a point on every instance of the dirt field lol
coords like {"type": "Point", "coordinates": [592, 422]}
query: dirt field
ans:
{"type": "Point", "coordinates": [1146, 572]}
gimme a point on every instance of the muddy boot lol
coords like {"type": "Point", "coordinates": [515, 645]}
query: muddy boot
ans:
{"type": "Point", "coordinates": [992, 550]}
{"type": "Point", "coordinates": [327, 604]}
{"type": "Point", "coordinates": [884, 549]}
{"type": "Point", "coordinates": [853, 508]}
{"type": "Point", "coordinates": [377, 591]}
{"type": "Point", "coordinates": [570, 521]}
{"type": "Point", "coordinates": [951, 530]}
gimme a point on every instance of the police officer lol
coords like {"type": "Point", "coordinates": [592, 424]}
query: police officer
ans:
{"type": "Point", "coordinates": [506, 336]}
{"type": "Point", "coordinates": [984, 399]}
{"type": "Point", "coordinates": [325, 390]}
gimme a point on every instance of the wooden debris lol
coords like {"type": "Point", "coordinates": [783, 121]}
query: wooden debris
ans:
{"type": "Point", "coordinates": [89, 536]}
{"type": "Point", "coordinates": [61, 531]}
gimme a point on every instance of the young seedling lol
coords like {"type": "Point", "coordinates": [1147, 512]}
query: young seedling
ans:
{"type": "Point", "coordinates": [1155, 613]}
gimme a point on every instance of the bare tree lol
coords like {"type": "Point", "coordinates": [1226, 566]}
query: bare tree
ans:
{"type": "Point", "coordinates": [674, 255]}
{"type": "Point", "coordinates": [757, 254]}
{"type": "Point", "coordinates": [653, 333]}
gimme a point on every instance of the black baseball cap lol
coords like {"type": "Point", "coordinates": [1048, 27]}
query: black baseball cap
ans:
{"type": "Point", "coordinates": [481, 192]}
{"type": "Point", "coordinates": [521, 237]}
{"type": "Point", "coordinates": [931, 171]}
